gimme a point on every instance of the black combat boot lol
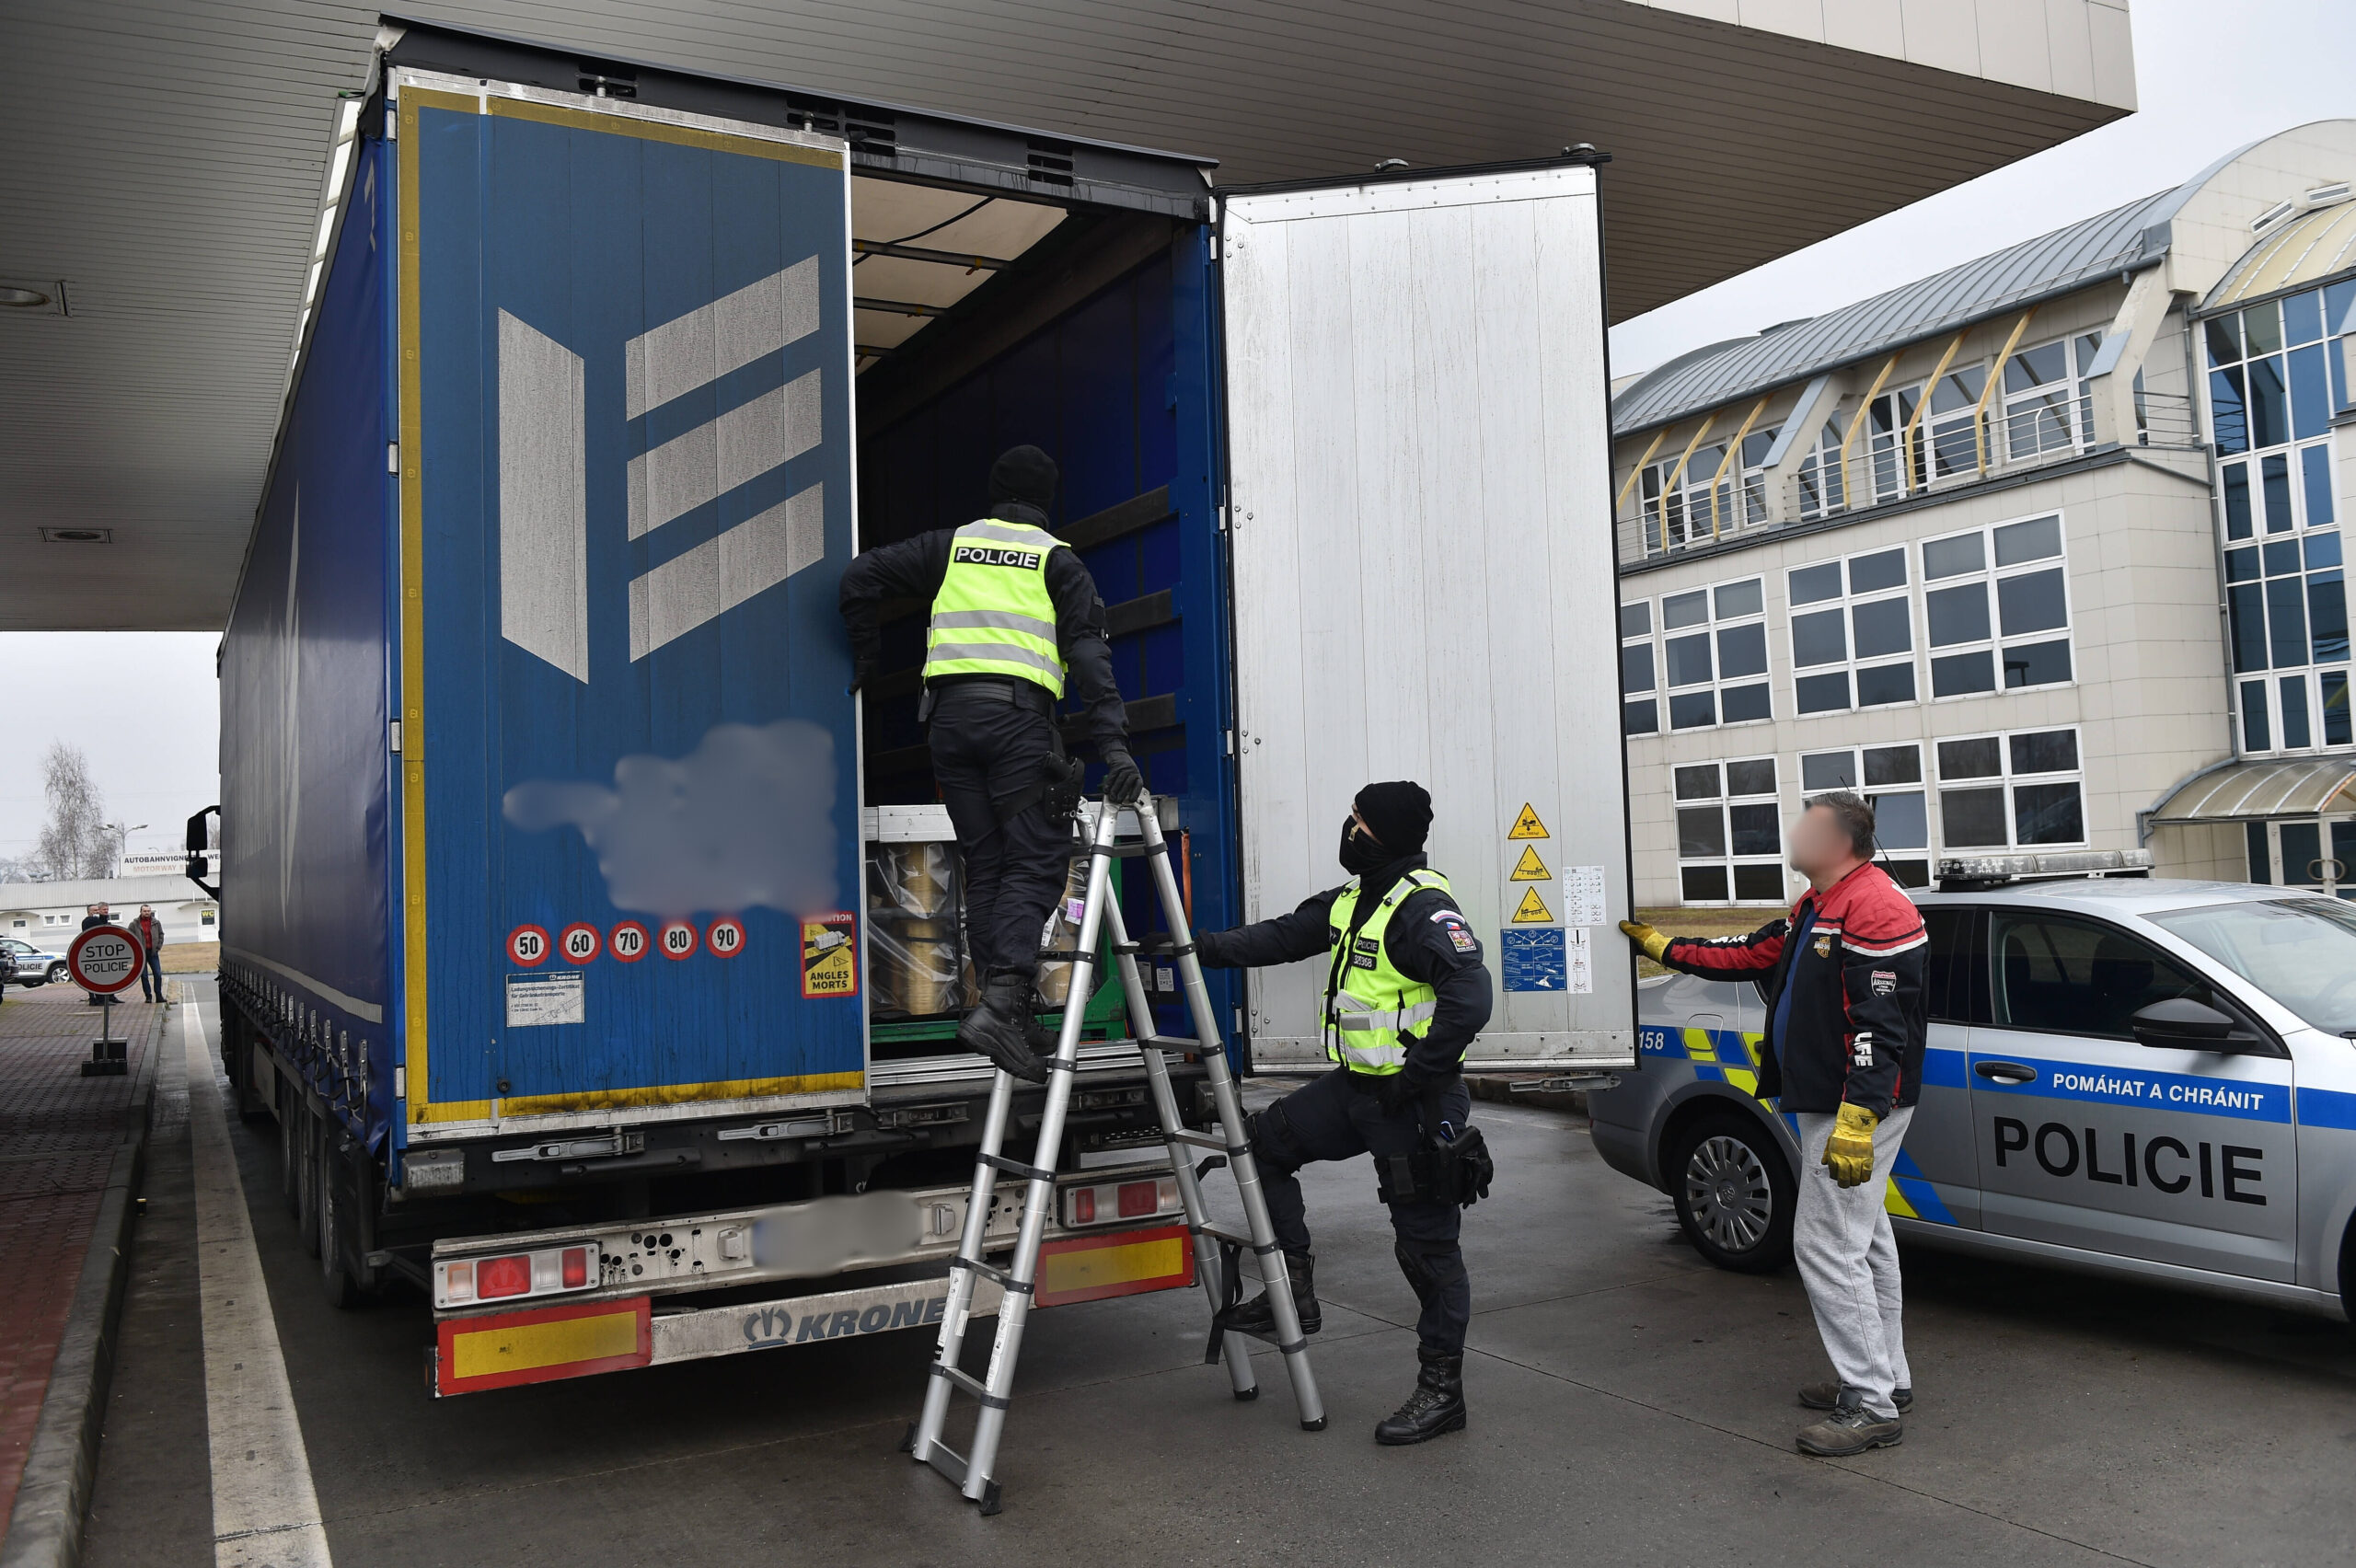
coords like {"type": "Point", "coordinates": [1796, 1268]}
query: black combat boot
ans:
{"type": "Point", "coordinates": [1437, 1405]}
{"type": "Point", "coordinates": [995, 1026]}
{"type": "Point", "coordinates": [1256, 1317]}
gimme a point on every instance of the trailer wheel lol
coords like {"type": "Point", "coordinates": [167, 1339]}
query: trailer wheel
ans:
{"type": "Point", "coordinates": [1734, 1194]}
{"type": "Point", "coordinates": [306, 1176]}
{"type": "Point", "coordinates": [333, 1238]}
{"type": "Point", "coordinates": [290, 1154]}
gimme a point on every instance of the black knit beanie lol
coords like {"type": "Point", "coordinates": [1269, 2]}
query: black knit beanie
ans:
{"type": "Point", "coordinates": [1024, 474]}
{"type": "Point", "coordinates": [1398, 814]}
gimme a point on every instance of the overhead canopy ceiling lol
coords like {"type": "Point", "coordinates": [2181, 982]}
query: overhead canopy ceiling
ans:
{"type": "Point", "coordinates": [166, 165]}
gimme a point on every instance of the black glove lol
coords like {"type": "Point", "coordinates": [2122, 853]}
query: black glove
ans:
{"type": "Point", "coordinates": [1206, 950]}
{"type": "Point", "coordinates": [1124, 785]}
{"type": "Point", "coordinates": [863, 672]}
{"type": "Point", "coordinates": [1396, 1091]}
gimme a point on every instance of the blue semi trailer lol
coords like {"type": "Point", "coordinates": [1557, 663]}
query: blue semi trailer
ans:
{"type": "Point", "coordinates": [596, 955]}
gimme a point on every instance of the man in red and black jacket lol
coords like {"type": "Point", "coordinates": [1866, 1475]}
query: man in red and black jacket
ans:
{"type": "Point", "coordinates": [1843, 1050]}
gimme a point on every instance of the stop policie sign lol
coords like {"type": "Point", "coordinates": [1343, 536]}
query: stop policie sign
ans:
{"type": "Point", "coordinates": [106, 959]}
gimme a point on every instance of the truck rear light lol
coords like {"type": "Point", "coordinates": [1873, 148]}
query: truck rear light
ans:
{"type": "Point", "coordinates": [499, 1277]}
{"type": "Point", "coordinates": [547, 1271]}
{"type": "Point", "coordinates": [1104, 1203]}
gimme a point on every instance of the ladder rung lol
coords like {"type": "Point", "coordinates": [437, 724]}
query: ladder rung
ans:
{"type": "Point", "coordinates": [1204, 1140]}
{"type": "Point", "coordinates": [1232, 1240]}
{"type": "Point", "coordinates": [971, 1384]}
{"type": "Point", "coordinates": [1016, 1168]}
{"type": "Point", "coordinates": [992, 1271]}
{"type": "Point", "coordinates": [1171, 1042]}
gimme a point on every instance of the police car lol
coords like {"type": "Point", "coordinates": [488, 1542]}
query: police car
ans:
{"type": "Point", "coordinates": [2130, 1076]}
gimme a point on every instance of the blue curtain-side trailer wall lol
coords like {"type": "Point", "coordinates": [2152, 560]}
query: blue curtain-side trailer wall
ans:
{"type": "Point", "coordinates": [305, 772]}
{"type": "Point", "coordinates": [1122, 390]}
{"type": "Point", "coordinates": [635, 731]}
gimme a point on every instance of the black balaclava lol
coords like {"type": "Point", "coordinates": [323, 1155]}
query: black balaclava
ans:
{"type": "Point", "coordinates": [1024, 474]}
{"type": "Point", "coordinates": [1399, 816]}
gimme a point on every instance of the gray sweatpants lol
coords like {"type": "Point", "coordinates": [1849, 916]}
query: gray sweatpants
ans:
{"type": "Point", "coordinates": [1848, 1260]}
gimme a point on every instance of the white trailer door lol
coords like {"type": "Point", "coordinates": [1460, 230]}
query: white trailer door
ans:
{"type": "Point", "coordinates": [1419, 473]}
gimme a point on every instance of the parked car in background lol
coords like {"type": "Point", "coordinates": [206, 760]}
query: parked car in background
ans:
{"type": "Point", "coordinates": [33, 967]}
{"type": "Point", "coordinates": [2126, 1077]}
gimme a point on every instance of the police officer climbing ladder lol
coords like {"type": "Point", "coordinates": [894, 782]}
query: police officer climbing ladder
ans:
{"type": "Point", "coordinates": [975, 1470]}
{"type": "Point", "coordinates": [1015, 615]}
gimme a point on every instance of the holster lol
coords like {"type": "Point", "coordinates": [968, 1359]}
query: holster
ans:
{"type": "Point", "coordinates": [1456, 1171]}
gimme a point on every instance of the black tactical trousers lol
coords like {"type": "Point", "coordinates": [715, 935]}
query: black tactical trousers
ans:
{"type": "Point", "coordinates": [986, 749]}
{"type": "Point", "coordinates": [1338, 1117]}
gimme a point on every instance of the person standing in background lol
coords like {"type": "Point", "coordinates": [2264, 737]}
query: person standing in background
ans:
{"type": "Point", "coordinates": [150, 932]}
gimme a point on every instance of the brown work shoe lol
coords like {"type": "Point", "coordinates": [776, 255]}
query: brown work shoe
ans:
{"type": "Point", "coordinates": [1850, 1429]}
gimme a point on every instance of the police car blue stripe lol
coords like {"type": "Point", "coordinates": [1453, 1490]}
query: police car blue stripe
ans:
{"type": "Point", "coordinates": [1944, 1069]}
{"type": "Point", "coordinates": [2235, 1098]}
{"type": "Point", "coordinates": [2327, 1108]}
{"type": "Point", "coordinates": [1918, 1190]}
{"type": "Point", "coordinates": [1660, 1042]}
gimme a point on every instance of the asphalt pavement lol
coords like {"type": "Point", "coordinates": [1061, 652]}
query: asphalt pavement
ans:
{"type": "Point", "coordinates": [1629, 1404]}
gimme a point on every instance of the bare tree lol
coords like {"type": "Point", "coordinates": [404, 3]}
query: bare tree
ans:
{"type": "Point", "coordinates": [77, 840]}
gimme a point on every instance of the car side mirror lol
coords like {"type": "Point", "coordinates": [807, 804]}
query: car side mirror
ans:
{"type": "Point", "coordinates": [2182, 1025]}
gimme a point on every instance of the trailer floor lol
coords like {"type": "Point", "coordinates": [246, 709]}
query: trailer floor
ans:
{"type": "Point", "coordinates": [1628, 1404]}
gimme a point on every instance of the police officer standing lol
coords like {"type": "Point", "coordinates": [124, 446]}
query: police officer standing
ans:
{"type": "Point", "coordinates": [1015, 617]}
{"type": "Point", "coordinates": [1406, 992]}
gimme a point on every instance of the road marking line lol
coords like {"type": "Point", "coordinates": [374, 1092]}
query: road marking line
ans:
{"type": "Point", "coordinates": [265, 1514]}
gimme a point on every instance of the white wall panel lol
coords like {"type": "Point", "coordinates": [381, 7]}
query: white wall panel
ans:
{"type": "Point", "coordinates": [1423, 564]}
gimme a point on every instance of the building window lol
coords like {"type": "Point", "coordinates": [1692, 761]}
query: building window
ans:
{"type": "Point", "coordinates": [1886, 422]}
{"type": "Point", "coordinates": [1821, 488]}
{"type": "Point", "coordinates": [1639, 679]}
{"type": "Point", "coordinates": [1891, 777]}
{"type": "Point", "coordinates": [1729, 833]}
{"type": "Point", "coordinates": [1701, 505]}
{"type": "Point", "coordinates": [2046, 405]}
{"type": "Point", "coordinates": [1853, 633]}
{"type": "Point", "coordinates": [2276, 377]}
{"type": "Point", "coordinates": [2022, 790]}
{"type": "Point", "coordinates": [1714, 650]}
{"type": "Point", "coordinates": [1996, 609]}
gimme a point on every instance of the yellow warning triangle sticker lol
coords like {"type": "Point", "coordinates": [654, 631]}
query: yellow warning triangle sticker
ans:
{"type": "Point", "coordinates": [1530, 868]}
{"type": "Point", "coordinates": [1527, 825]}
{"type": "Point", "coordinates": [1533, 910]}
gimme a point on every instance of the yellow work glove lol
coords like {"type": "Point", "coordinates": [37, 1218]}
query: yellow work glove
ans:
{"type": "Point", "coordinates": [1645, 936]}
{"type": "Point", "coordinates": [1850, 1150]}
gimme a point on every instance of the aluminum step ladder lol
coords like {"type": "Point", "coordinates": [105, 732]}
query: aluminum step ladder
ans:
{"type": "Point", "coordinates": [1215, 1249]}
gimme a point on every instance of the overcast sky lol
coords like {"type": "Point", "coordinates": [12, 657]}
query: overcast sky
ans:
{"type": "Point", "coordinates": [2209, 78]}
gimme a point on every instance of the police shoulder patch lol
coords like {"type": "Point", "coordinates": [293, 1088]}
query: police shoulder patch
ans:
{"type": "Point", "coordinates": [1460, 938]}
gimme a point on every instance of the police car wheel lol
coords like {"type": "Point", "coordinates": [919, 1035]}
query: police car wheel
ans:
{"type": "Point", "coordinates": [1734, 1194]}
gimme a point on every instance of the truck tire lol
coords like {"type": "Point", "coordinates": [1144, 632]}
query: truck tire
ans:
{"type": "Point", "coordinates": [307, 1188]}
{"type": "Point", "coordinates": [333, 1240]}
{"type": "Point", "coordinates": [1734, 1194]}
{"type": "Point", "coordinates": [290, 1154]}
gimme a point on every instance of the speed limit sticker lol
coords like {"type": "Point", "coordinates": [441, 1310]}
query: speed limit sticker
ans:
{"type": "Point", "coordinates": [628, 941]}
{"type": "Point", "coordinates": [527, 945]}
{"type": "Point", "coordinates": [677, 939]}
{"type": "Point", "coordinates": [579, 942]}
{"type": "Point", "coordinates": [725, 936]}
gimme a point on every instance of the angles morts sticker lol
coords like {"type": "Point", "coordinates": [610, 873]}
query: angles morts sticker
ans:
{"type": "Point", "coordinates": [830, 955]}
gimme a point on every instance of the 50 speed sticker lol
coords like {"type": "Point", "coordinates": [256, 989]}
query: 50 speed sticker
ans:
{"type": "Point", "coordinates": [830, 955]}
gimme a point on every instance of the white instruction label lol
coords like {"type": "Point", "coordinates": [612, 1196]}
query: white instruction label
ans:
{"type": "Point", "coordinates": [1583, 895]}
{"type": "Point", "coordinates": [557, 996]}
{"type": "Point", "coordinates": [1579, 966]}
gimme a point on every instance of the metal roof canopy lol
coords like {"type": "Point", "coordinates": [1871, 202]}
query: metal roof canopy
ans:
{"type": "Point", "coordinates": [165, 167]}
{"type": "Point", "coordinates": [2258, 791]}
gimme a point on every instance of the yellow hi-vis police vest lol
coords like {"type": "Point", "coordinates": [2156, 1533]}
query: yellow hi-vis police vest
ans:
{"type": "Point", "coordinates": [993, 614]}
{"type": "Point", "coordinates": [1370, 1006]}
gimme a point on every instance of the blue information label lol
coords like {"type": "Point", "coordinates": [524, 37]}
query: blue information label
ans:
{"type": "Point", "coordinates": [1534, 960]}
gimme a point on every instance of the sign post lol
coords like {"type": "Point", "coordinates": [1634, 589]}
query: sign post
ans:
{"type": "Point", "coordinates": [103, 961]}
